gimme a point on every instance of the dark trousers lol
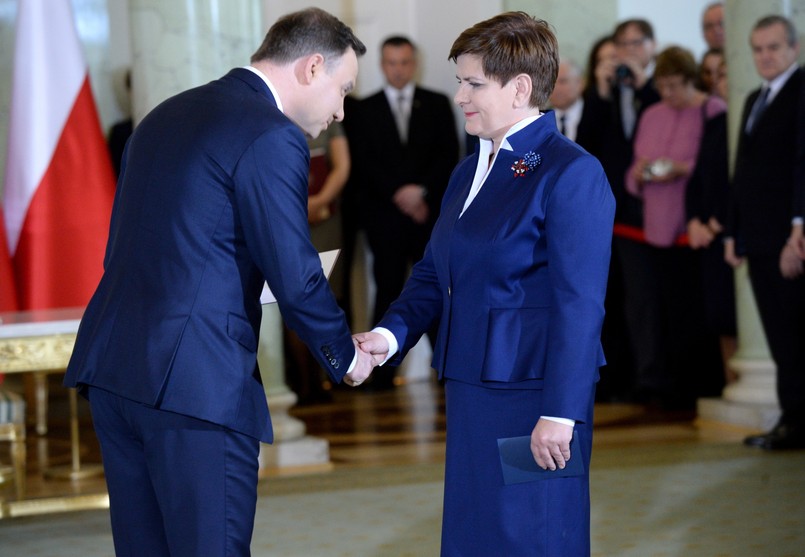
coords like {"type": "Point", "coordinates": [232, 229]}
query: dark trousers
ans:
{"type": "Point", "coordinates": [397, 244]}
{"type": "Point", "coordinates": [781, 304]}
{"type": "Point", "coordinates": [675, 357]}
{"type": "Point", "coordinates": [178, 486]}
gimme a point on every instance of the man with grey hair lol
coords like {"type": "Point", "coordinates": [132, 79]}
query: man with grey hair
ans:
{"type": "Point", "coordinates": [713, 25]}
{"type": "Point", "coordinates": [765, 221]}
{"type": "Point", "coordinates": [211, 203]}
{"type": "Point", "coordinates": [566, 99]}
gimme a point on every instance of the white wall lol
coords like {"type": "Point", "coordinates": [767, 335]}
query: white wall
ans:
{"type": "Point", "coordinates": [676, 22]}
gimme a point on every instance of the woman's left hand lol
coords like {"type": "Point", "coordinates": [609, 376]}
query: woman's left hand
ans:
{"type": "Point", "coordinates": [676, 169]}
{"type": "Point", "coordinates": [550, 444]}
{"type": "Point", "coordinates": [318, 209]}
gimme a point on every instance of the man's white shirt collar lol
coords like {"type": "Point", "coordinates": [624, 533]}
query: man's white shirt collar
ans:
{"type": "Point", "coordinates": [268, 84]}
{"type": "Point", "coordinates": [777, 83]}
{"type": "Point", "coordinates": [392, 93]}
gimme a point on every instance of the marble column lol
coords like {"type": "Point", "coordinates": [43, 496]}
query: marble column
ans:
{"type": "Point", "coordinates": [752, 400]}
{"type": "Point", "coordinates": [179, 45]}
{"type": "Point", "coordinates": [292, 450]}
{"type": "Point", "coordinates": [577, 24]}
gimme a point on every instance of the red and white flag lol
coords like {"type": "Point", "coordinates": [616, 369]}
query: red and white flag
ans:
{"type": "Point", "coordinates": [8, 293]}
{"type": "Point", "coordinates": [59, 182]}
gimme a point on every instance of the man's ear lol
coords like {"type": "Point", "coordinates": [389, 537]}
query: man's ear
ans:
{"type": "Point", "coordinates": [307, 67]}
{"type": "Point", "coordinates": [523, 87]}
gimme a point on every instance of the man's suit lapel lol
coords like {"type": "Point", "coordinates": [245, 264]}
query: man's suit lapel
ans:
{"type": "Point", "coordinates": [781, 102]}
{"type": "Point", "coordinates": [385, 127]}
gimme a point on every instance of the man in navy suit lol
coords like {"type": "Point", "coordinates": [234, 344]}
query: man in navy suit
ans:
{"type": "Point", "coordinates": [766, 213]}
{"type": "Point", "coordinates": [211, 203]}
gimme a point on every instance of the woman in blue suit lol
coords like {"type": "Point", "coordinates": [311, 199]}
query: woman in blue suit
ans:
{"type": "Point", "coordinates": [515, 273]}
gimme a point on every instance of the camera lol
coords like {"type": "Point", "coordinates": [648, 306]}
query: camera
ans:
{"type": "Point", "coordinates": [623, 72]}
{"type": "Point", "coordinates": [657, 169]}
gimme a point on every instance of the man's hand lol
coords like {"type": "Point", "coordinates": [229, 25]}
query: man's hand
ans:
{"type": "Point", "coordinates": [699, 234]}
{"type": "Point", "coordinates": [790, 263]}
{"type": "Point", "coordinates": [550, 444]}
{"type": "Point", "coordinates": [363, 367]}
{"type": "Point", "coordinates": [410, 201]}
{"type": "Point", "coordinates": [797, 240]}
{"type": "Point", "coordinates": [729, 254]}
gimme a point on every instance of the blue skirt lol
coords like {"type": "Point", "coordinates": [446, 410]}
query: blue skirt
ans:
{"type": "Point", "coordinates": [482, 516]}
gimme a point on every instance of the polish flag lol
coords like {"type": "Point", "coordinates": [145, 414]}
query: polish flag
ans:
{"type": "Point", "coordinates": [59, 182]}
{"type": "Point", "coordinates": [8, 293]}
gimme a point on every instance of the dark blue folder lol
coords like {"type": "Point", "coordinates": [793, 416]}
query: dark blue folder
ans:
{"type": "Point", "coordinates": [519, 465]}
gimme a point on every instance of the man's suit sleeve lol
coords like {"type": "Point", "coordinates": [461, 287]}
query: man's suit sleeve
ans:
{"type": "Point", "coordinates": [271, 206]}
{"type": "Point", "coordinates": [732, 226]}
{"type": "Point", "coordinates": [799, 177]}
{"type": "Point", "coordinates": [443, 125]}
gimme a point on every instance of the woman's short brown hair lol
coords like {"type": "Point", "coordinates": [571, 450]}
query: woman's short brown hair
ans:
{"type": "Point", "coordinates": [676, 60]}
{"type": "Point", "coordinates": [510, 44]}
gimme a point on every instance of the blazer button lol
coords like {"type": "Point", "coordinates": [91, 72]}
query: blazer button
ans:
{"type": "Point", "coordinates": [449, 291]}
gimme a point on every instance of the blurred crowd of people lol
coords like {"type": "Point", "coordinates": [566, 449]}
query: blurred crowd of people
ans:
{"type": "Point", "coordinates": [658, 124]}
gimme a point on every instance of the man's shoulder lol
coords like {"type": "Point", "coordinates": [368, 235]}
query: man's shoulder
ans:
{"type": "Point", "coordinates": [423, 93]}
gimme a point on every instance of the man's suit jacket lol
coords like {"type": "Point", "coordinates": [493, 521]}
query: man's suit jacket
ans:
{"type": "Point", "coordinates": [382, 164]}
{"type": "Point", "coordinates": [212, 201]}
{"type": "Point", "coordinates": [518, 281]}
{"type": "Point", "coordinates": [601, 133]}
{"type": "Point", "coordinates": [767, 179]}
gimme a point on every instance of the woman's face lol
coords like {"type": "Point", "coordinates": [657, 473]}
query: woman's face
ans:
{"type": "Point", "coordinates": [674, 90]}
{"type": "Point", "coordinates": [709, 70]}
{"type": "Point", "coordinates": [720, 87]}
{"type": "Point", "coordinates": [607, 52]}
{"type": "Point", "coordinates": [488, 106]}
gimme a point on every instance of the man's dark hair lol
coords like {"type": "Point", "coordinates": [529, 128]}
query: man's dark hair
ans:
{"type": "Point", "coordinates": [307, 32]}
{"type": "Point", "coordinates": [642, 25]}
{"type": "Point", "coordinates": [398, 40]}
{"type": "Point", "coordinates": [790, 31]}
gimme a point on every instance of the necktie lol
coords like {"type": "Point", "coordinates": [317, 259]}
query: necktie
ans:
{"type": "Point", "coordinates": [562, 129]}
{"type": "Point", "coordinates": [628, 113]}
{"type": "Point", "coordinates": [757, 109]}
{"type": "Point", "coordinates": [401, 114]}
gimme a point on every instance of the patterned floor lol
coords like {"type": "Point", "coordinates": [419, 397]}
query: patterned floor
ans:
{"type": "Point", "coordinates": [663, 485]}
{"type": "Point", "coordinates": [665, 500]}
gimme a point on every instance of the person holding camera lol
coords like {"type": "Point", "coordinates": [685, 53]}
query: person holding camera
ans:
{"type": "Point", "coordinates": [624, 88]}
{"type": "Point", "coordinates": [667, 290]}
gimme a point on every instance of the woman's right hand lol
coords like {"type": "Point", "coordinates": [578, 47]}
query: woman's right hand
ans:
{"type": "Point", "coordinates": [639, 170]}
{"type": "Point", "coordinates": [605, 77]}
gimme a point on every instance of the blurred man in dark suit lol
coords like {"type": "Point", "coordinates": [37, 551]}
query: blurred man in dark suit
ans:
{"type": "Point", "coordinates": [404, 146]}
{"type": "Point", "coordinates": [765, 222]}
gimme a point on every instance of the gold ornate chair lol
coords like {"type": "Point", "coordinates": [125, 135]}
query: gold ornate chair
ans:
{"type": "Point", "coordinates": [12, 429]}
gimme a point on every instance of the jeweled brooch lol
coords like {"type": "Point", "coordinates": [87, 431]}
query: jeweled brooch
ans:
{"type": "Point", "coordinates": [530, 161]}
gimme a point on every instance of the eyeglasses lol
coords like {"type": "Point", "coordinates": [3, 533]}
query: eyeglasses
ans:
{"type": "Point", "coordinates": [633, 43]}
